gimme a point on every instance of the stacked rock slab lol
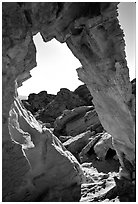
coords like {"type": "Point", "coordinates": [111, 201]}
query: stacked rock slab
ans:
{"type": "Point", "coordinates": [65, 99]}
{"type": "Point", "coordinates": [92, 32]}
{"type": "Point", "coordinates": [76, 121]}
{"type": "Point", "coordinates": [77, 143]}
{"type": "Point", "coordinates": [69, 116]}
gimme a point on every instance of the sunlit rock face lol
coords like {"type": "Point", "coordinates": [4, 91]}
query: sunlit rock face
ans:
{"type": "Point", "coordinates": [92, 32]}
{"type": "Point", "coordinates": [53, 173]}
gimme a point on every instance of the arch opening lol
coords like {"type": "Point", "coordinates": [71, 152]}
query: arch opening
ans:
{"type": "Point", "coordinates": [111, 88]}
{"type": "Point", "coordinates": [56, 69]}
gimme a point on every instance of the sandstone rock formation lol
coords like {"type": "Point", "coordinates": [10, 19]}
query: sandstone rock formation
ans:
{"type": "Point", "coordinates": [86, 149]}
{"type": "Point", "coordinates": [106, 76]}
{"type": "Point", "coordinates": [69, 115]}
{"type": "Point", "coordinates": [38, 101]}
{"type": "Point", "coordinates": [78, 120]}
{"type": "Point", "coordinates": [53, 172]}
{"type": "Point", "coordinates": [105, 187]}
{"type": "Point", "coordinates": [65, 99]}
{"type": "Point", "coordinates": [83, 92]}
{"type": "Point", "coordinates": [75, 144]}
{"type": "Point", "coordinates": [103, 145]}
{"type": "Point", "coordinates": [92, 32]}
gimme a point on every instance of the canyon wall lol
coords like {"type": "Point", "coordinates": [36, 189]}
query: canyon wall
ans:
{"type": "Point", "coordinates": [93, 34]}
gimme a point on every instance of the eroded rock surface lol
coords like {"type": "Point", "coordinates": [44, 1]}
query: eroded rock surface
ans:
{"type": "Point", "coordinates": [68, 116]}
{"type": "Point", "coordinates": [38, 101]}
{"type": "Point", "coordinates": [103, 145]}
{"type": "Point", "coordinates": [92, 32]}
{"type": "Point", "coordinates": [105, 187]}
{"type": "Point", "coordinates": [54, 174]}
{"type": "Point", "coordinates": [75, 144]}
{"type": "Point", "coordinates": [78, 120]}
{"type": "Point", "coordinates": [65, 99]}
{"type": "Point", "coordinates": [89, 121]}
{"type": "Point", "coordinates": [83, 92]}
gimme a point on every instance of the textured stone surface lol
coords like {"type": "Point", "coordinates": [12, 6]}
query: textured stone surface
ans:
{"type": "Point", "coordinates": [70, 115]}
{"type": "Point", "coordinates": [83, 92]}
{"type": "Point", "coordinates": [106, 76]}
{"type": "Point", "coordinates": [39, 105]}
{"type": "Point", "coordinates": [92, 32]}
{"type": "Point", "coordinates": [38, 101]}
{"type": "Point", "coordinates": [65, 99]}
{"type": "Point", "coordinates": [103, 145]}
{"type": "Point", "coordinates": [105, 187]}
{"type": "Point", "coordinates": [88, 147]}
{"type": "Point", "coordinates": [75, 144]}
{"type": "Point", "coordinates": [78, 125]}
{"type": "Point", "coordinates": [53, 172]}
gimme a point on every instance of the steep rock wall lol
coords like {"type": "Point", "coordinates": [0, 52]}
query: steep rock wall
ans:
{"type": "Point", "coordinates": [92, 32]}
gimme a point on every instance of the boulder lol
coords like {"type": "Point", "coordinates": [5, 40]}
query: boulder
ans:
{"type": "Point", "coordinates": [82, 123]}
{"type": "Point", "coordinates": [103, 145]}
{"type": "Point", "coordinates": [76, 144]}
{"type": "Point", "coordinates": [83, 92]}
{"type": "Point", "coordinates": [84, 152]}
{"type": "Point", "coordinates": [69, 115]}
{"type": "Point", "coordinates": [54, 173]}
{"type": "Point", "coordinates": [65, 99]}
{"type": "Point", "coordinates": [38, 101]}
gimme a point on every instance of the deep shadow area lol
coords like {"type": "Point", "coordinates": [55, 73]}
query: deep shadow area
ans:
{"type": "Point", "coordinates": [105, 166]}
{"type": "Point", "coordinates": [124, 190]}
{"type": "Point", "coordinates": [110, 154]}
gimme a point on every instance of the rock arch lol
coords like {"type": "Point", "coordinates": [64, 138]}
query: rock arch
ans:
{"type": "Point", "coordinates": [92, 32]}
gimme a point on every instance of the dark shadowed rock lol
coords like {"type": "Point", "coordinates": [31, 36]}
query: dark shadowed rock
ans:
{"type": "Point", "coordinates": [28, 106]}
{"type": "Point", "coordinates": [65, 99]}
{"type": "Point", "coordinates": [133, 82]}
{"type": "Point", "coordinates": [40, 100]}
{"type": "Point", "coordinates": [83, 92]}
